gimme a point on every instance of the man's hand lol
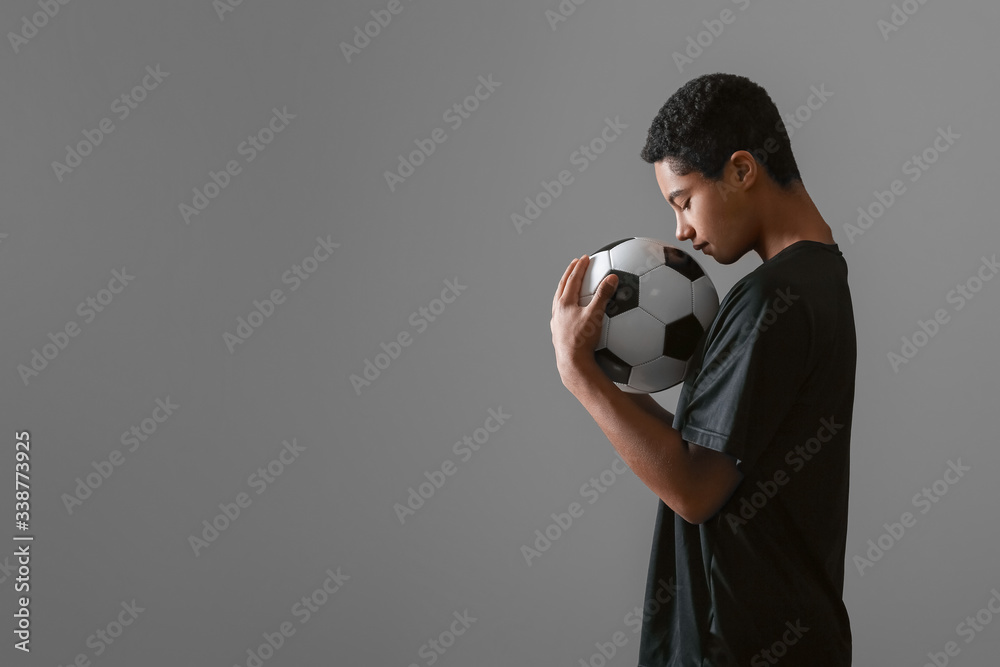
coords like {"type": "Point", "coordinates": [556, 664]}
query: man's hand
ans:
{"type": "Point", "coordinates": [576, 329]}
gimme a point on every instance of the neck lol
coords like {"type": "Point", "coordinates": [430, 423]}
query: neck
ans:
{"type": "Point", "coordinates": [790, 218]}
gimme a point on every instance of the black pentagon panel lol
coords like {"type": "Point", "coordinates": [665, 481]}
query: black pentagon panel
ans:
{"type": "Point", "coordinates": [682, 263]}
{"type": "Point", "coordinates": [681, 337]}
{"type": "Point", "coordinates": [611, 245]}
{"type": "Point", "coordinates": [612, 365]}
{"type": "Point", "coordinates": [626, 296]}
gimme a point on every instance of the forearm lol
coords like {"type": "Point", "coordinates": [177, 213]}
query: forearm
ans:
{"type": "Point", "coordinates": [649, 404]}
{"type": "Point", "coordinates": [642, 436]}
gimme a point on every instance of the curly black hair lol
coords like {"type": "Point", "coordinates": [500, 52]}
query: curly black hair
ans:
{"type": "Point", "coordinates": [711, 117]}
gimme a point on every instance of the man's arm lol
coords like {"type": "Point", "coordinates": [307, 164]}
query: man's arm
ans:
{"type": "Point", "coordinates": [693, 481]}
{"type": "Point", "coordinates": [647, 403]}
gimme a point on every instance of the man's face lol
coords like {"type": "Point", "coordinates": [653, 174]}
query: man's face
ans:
{"type": "Point", "coordinates": [708, 213]}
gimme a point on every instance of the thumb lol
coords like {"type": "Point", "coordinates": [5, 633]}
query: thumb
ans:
{"type": "Point", "coordinates": [606, 289]}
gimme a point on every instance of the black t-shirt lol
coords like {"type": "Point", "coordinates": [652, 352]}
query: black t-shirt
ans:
{"type": "Point", "coordinates": [772, 385]}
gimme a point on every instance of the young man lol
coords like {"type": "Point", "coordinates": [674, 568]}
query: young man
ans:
{"type": "Point", "coordinates": [747, 561]}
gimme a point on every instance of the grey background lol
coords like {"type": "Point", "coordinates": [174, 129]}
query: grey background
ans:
{"type": "Point", "coordinates": [324, 175]}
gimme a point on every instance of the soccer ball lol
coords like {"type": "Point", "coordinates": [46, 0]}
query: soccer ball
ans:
{"type": "Point", "coordinates": [652, 324]}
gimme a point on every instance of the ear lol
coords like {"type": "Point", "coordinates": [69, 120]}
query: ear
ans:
{"type": "Point", "coordinates": [745, 168]}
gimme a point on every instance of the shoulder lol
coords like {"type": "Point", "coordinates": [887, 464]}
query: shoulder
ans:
{"type": "Point", "coordinates": [759, 293]}
{"type": "Point", "coordinates": [764, 305]}
{"type": "Point", "coordinates": [804, 274]}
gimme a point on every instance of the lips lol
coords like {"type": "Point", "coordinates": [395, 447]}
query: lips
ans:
{"type": "Point", "coordinates": [700, 246]}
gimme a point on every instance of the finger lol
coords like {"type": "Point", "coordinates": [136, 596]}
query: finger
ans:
{"type": "Point", "coordinates": [575, 279]}
{"type": "Point", "coordinates": [595, 310]}
{"type": "Point", "coordinates": [562, 284]}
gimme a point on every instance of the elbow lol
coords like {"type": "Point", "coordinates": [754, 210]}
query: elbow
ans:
{"type": "Point", "coordinates": [699, 519]}
{"type": "Point", "coordinates": [697, 508]}
{"type": "Point", "coordinates": [717, 479]}
{"type": "Point", "coordinates": [696, 518]}
{"type": "Point", "coordinates": [693, 510]}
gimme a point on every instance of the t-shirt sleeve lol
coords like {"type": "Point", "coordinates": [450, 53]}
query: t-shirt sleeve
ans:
{"type": "Point", "coordinates": [756, 358]}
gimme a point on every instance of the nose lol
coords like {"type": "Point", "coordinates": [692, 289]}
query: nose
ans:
{"type": "Point", "coordinates": [684, 231]}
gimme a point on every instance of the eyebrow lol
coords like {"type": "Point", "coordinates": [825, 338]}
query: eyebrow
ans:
{"type": "Point", "coordinates": [674, 193]}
